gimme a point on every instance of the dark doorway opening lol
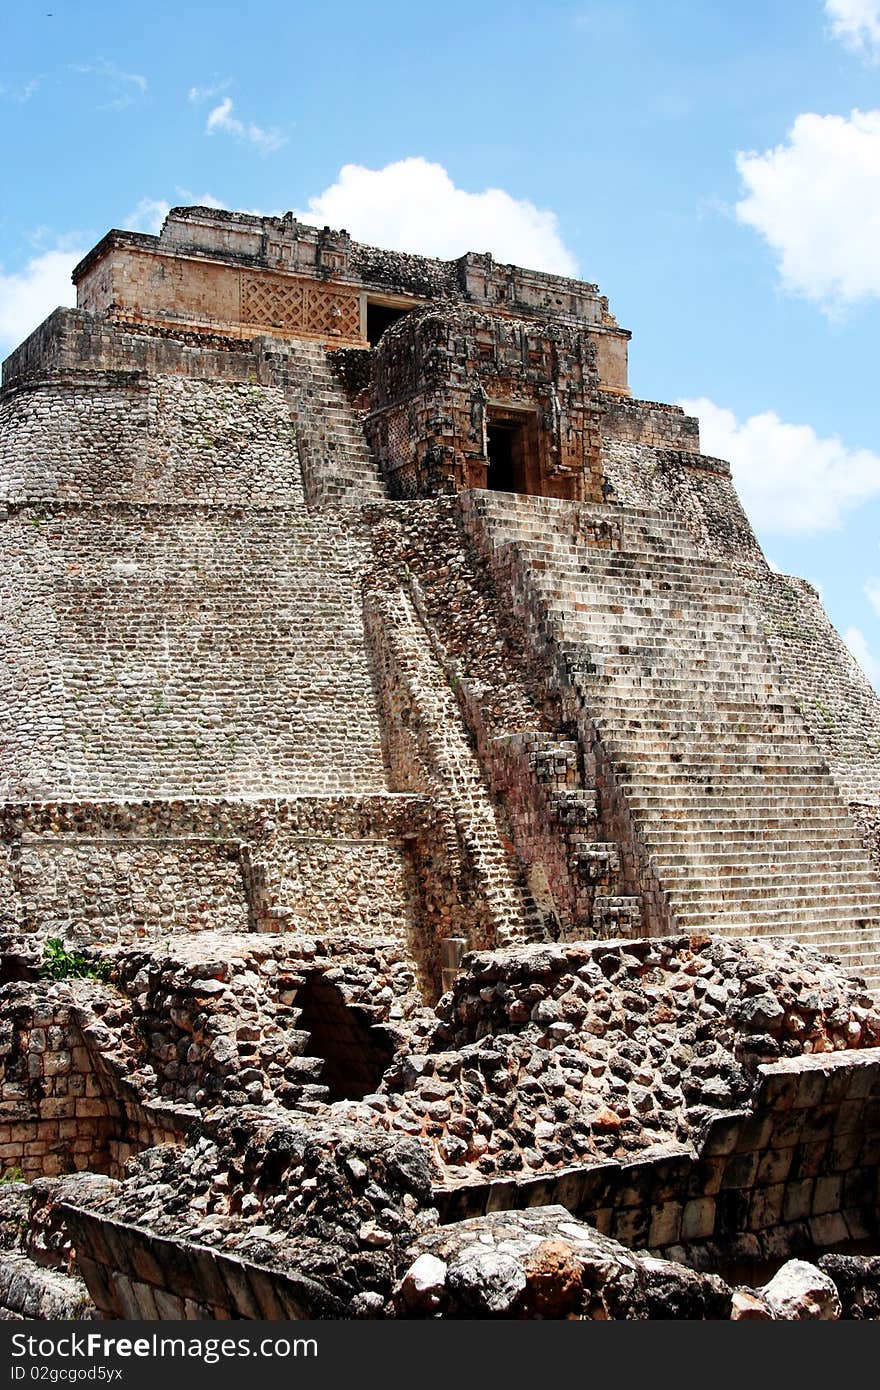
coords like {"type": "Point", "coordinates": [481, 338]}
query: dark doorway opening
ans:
{"type": "Point", "coordinates": [508, 451]}
{"type": "Point", "coordinates": [499, 448]}
{"type": "Point", "coordinates": [356, 1053]}
{"type": "Point", "coordinates": [380, 317]}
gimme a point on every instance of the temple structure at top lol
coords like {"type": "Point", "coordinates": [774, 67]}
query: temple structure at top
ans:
{"type": "Point", "coordinates": [244, 276]}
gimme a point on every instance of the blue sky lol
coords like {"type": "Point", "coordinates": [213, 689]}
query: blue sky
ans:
{"type": "Point", "coordinates": [714, 166]}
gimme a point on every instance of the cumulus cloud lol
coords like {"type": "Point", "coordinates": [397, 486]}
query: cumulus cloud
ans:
{"type": "Point", "coordinates": [220, 118]}
{"type": "Point", "coordinates": [857, 24]}
{"type": "Point", "coordinates": [413, 205]}
{"type": "Point", "coordinates": [791, 480]}
{"type": "Point", "coordinates": [816, 200]}
{"type": "Point", "coordinates": [858, 644]}
{"type": "Point", "coordinates": [30, 295]}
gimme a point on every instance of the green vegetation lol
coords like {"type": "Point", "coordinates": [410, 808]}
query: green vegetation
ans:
{"type": "Point", "coordinates": [59, 963]}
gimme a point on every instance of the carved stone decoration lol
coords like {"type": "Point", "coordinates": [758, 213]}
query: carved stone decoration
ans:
{"type": "Point", "coordinates": [272, 299]}
{"type": "Point", "coordinates": [287, 303]}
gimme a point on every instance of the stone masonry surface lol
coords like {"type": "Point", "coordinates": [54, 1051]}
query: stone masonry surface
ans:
{"type": "Point", "coordinates": [439, 859]}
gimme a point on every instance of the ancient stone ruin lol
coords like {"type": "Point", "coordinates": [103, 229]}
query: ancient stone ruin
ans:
{"type": "Point", "coordinates": [441, 859]}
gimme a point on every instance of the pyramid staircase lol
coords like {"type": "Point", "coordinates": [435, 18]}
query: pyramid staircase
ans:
{"type": "Point", "coordinates": [338, 467]}
{"type": "Point", "coordinates": [732, 803]}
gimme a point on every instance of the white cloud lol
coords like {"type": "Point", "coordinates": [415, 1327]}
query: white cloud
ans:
{"type": "Point", "coordinates": [857, 24]}
{"type": "Point", "coordinates": [857, 642]}
{"type": "Point", "coordinates": [30, 295]}
{"type": "Point", "coordinates": [413, 205]}
{"type": "Point", "coordinates": [186, 198]}
{"type": "Point", "coordinates": [123, 86]}
{"type": "Point", "coordinates": [20, 94]}
{"type": "Point", "coordinates": [872, 591]}
{"type": "Point", "coordinates": [148, 216]}
{"type": "Point", "coordinates": [816, 200]}
{"type": "Point", "coordinates": [791, 481]}
{"type": "Point", "coordinates": [150, 213]}
{"type": "Point", "coordinates": [214, 89]}
{"type": "Point", "coordinates": [220, 118]}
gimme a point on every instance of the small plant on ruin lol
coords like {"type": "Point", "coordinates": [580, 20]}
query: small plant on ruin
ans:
{"type": "Point", "coordinates": [59, 963]}
{"type": "Point", "coordinates": [11, 1175]}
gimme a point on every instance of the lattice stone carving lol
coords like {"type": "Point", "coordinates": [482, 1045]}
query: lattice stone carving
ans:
{"type": "Point", "coordinates": [282, 302]}
{"type": "Point", "coordinates": [335, 314]}
{"type": "Point", "coordinates": [272, 300]}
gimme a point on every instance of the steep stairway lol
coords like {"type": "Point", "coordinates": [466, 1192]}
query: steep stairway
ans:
{"type": "Point", "coordinates": [338, 468]}
{"type": "Point", "coordinates": [739, 817]}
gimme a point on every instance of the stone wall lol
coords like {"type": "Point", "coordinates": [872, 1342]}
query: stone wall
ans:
{"type": "Point", "coordinates": [723, 1100]}
{"type": "Point", "coordinates": [226, 1021]}
{"type": "Point", "coordinates": [868, 819]}
{"type": "Point", "coordinates": [648, 423]}
{"type": "Point", "coordinates": [424, 729]}
{"type": "Point", "coordinates": [838, 702]}
{"type": "Point", "coordinates": [165, 439]}
{"type": "Point", "coordinates": [184, 651]}
{"type": "Point", "coordinates": [80, 343]}
{"type": "Point", "coordinates": [125, 890]}
{"type": "Point", "coordinates": [349, 1199]}
{"type": "Point", "coordinates": [628, 1044]}
{"type": "Point", "coordinates": [148, 871]}
{"type": "Point", "coordinates": [696, 489]}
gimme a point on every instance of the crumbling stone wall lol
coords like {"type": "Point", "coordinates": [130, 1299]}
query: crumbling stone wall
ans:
{"type": "Point", "coordinates": [62, 1104]}
{"type": "Point", "coordinates": [219, 1019]}
{"type": "Point", "coordinates": [737, 1159]}
{"type": "Point", "coordinates": [649, 423]}
{"type": "Point", "coordinates": [610, 1048]}
{"type": "Point", "coordinates": [350, 1200]}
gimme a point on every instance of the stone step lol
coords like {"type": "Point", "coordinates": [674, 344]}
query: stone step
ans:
{"type": "Point", "coordinates": [771, 775]}
{"type": "Point", "coordinates": [786, 918]}
{"type": "Point", "coordinates": [792, 894]}
{"type": "Point", "coordinates": [722, 814]}
{"type": "Point", "coordinates": [799, 859]}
